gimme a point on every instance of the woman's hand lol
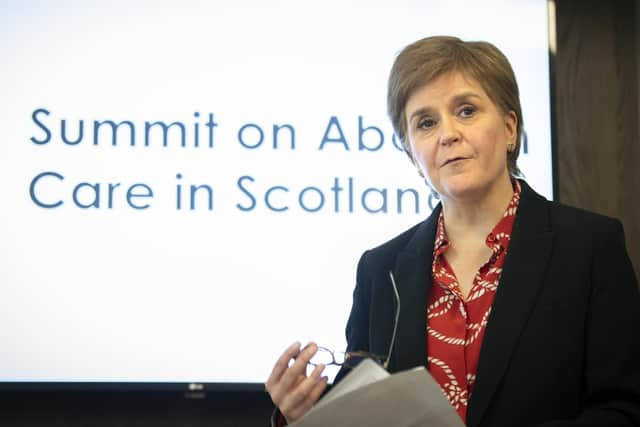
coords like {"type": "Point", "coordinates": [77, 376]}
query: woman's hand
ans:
{"type": "Point", "coordinates": [292, 391]}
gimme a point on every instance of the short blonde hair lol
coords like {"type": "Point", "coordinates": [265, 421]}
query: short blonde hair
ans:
{"type": "Point", "coordinates": [427, 59]}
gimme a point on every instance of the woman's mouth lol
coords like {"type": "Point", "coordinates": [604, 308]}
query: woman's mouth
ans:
{"type": "Point", "coordinates": [454, 160]}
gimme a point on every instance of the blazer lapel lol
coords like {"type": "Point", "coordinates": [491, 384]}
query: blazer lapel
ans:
{"type": "Point", "coordinates": [413, 278]}
{"type": "Point", "coordinates": [515, 297]}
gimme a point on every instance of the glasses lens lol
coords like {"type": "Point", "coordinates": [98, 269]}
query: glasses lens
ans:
{"type": "Point", "coordinates": [323, 356]}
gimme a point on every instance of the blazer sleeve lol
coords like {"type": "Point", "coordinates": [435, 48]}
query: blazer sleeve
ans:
{"type": "Point", "coordinates": [612, 348]}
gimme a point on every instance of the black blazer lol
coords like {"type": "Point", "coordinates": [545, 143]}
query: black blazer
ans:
{"type": "Point", "coordinates": [562, 345]}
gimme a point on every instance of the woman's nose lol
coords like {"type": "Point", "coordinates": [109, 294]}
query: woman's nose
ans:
{"type": "Point", "coordinates": [448, 131]}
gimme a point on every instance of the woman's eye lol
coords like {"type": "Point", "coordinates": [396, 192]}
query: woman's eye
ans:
{"type": "Point", "coordinates": [467, 111]}
{"type": "Point", "coordinates": [426, 123]}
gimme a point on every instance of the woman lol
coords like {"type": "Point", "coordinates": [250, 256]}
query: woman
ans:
{"type": "Point", "coordinates": [523, 310]}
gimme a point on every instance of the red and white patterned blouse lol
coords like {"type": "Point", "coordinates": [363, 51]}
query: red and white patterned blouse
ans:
{"type": "Point", "coordinates": [455, 326]}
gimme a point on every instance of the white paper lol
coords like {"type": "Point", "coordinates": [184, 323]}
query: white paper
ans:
{"type": "Point", "coordinates": [365, 373]}
{"type": "Point", "coordinates": [406, 399]}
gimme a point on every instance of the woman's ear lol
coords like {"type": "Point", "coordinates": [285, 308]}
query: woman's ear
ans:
{"type": "Point", "coordinates": [511, 127]}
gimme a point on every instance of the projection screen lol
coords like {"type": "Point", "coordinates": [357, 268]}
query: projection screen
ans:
{"type": "Point", "coordinates": [187, 186]}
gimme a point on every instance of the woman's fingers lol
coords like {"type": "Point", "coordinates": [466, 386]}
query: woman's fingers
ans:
{"type": "Point", "coordinates": [300, 392]}
{"type": "Point", "coordinates": [317, 390]}
{"type": "Point", "coordinates": [299, 400]}
{"type": "Point", "coordinates": [289, 386]}
{"type": "Point", "coordinates": [283, 377]}
{"type": "Point", "coordinates": [314, 395]}
{"type": "Point", "coordinates": [282, 364]}
{"type": "Point", "coordinates": [290, 376]}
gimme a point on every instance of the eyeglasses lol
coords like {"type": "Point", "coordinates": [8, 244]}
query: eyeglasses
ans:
{"type": "Point", "coordinates": [350, 359]}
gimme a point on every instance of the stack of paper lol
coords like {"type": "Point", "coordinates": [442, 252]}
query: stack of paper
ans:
{"type": "Point", "coordinates": [370, 396]}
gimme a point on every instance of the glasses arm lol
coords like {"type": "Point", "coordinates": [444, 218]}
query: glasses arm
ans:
{"type": "Point", "coordinates": [395, 324]}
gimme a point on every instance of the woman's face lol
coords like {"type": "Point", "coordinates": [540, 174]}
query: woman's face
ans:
{"type": "Point", "coordinates": [458, 137]}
